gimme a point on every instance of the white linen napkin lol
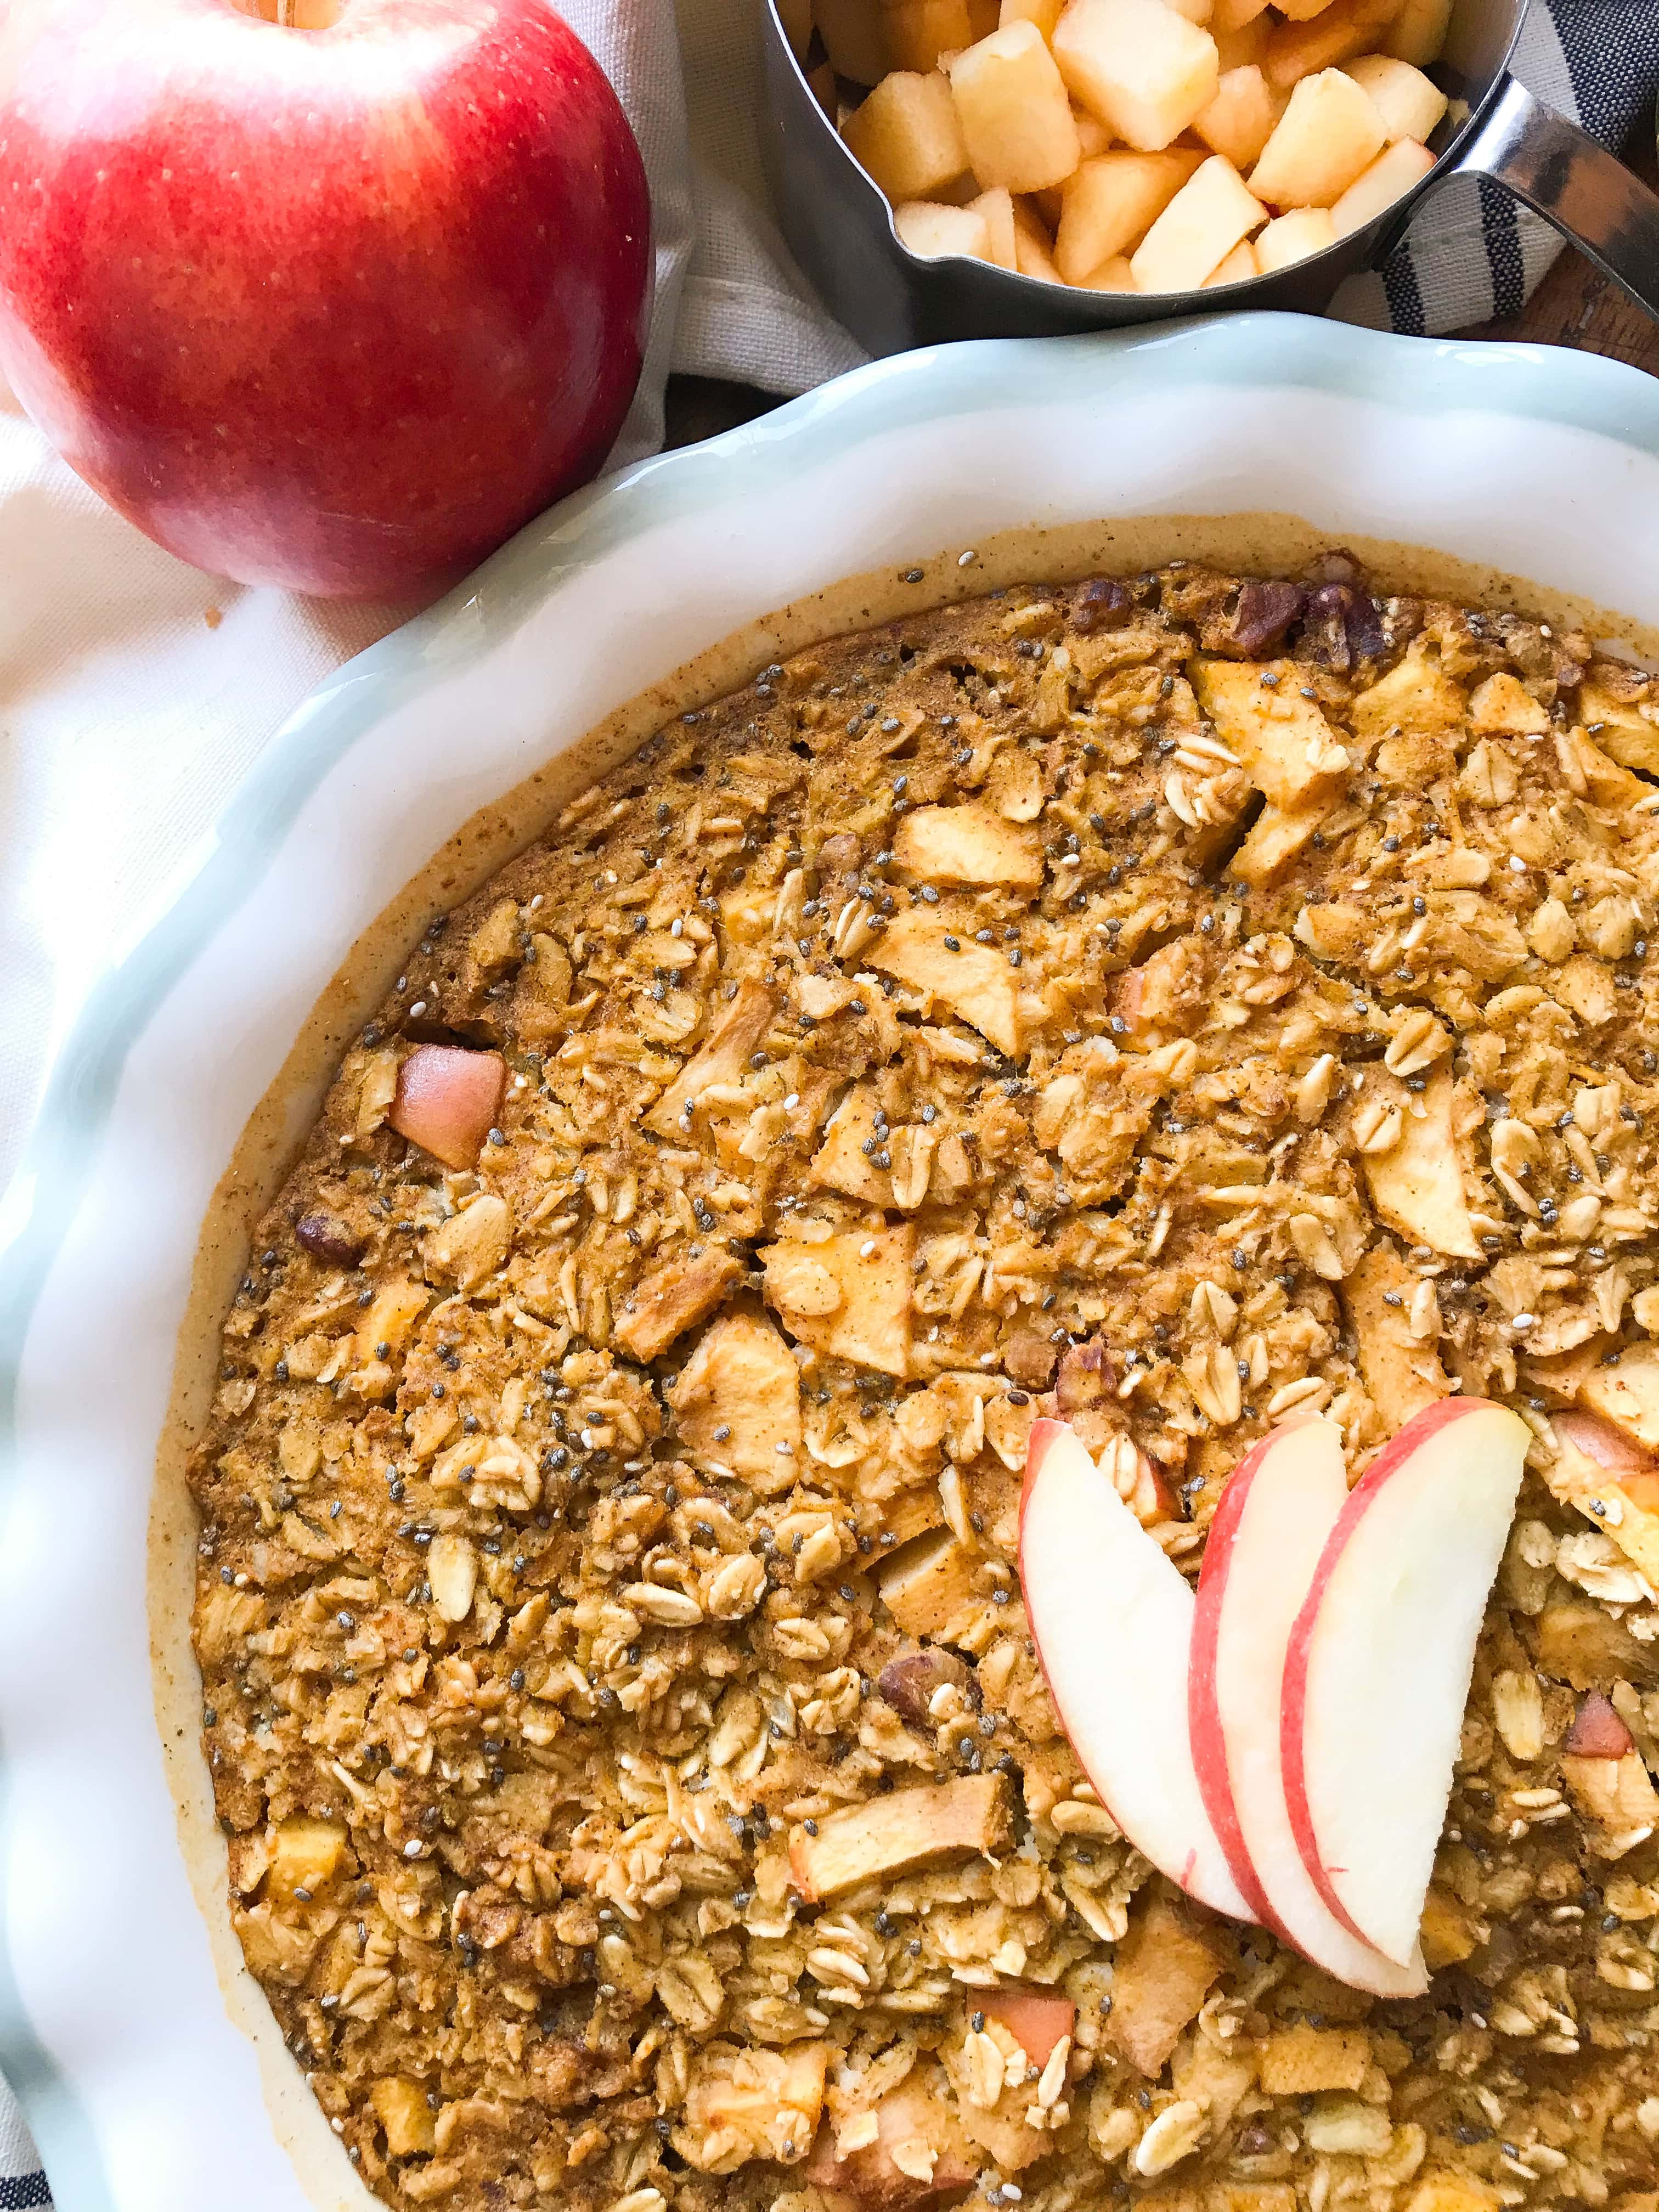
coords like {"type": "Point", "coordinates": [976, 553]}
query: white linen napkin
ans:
{"type": "Point", "coordinates": [135, 691]}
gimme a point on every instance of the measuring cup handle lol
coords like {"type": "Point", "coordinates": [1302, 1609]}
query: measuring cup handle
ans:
{"type": "Point", "coordinates": [1558, 169]}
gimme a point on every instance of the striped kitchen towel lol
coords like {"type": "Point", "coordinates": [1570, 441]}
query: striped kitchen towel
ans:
{"type": "Point", "coordinates": [1473, 252]}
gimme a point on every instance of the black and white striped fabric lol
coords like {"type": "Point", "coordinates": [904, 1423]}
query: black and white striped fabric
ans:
{"type": "Point", "coordinates": [1474, 252]}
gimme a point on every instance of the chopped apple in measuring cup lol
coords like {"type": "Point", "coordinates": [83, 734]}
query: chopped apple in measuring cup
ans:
{"type": "Point", "coordinates": [1389, 177]}
{"type": "Point", "coordinates": [1016, 119]}
{"type": "Point", "coordinates": [1145, 71]}
{"type": "Point", "coordinates": [1200, 227]}
{"type": "Point", "coordinates": [1328, 133]}
{"type": "Point", "coordinates": [1239, 121]}
{"type": "Point", "coordinates": [1409, 103]}
{"type": "Point", "coordinates": [907, 134]}
{"type": "Point", "coordinates": [928, 229]}
{"type": "Point", "coordinates": [1293, 237]}
{"type": "Point", "coordinates": [1111, 202]}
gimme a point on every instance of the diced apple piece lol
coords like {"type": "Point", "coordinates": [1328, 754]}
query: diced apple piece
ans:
{"type": "Point", "coordinates": [969, 844]}
{"type": "Point", "coordinates": [1143, 70]}
{"type": "Point", "coordinates": [1374, 190]}
{"type": "Point", "coordinates": [1402, 1371]}
{"type": "Point", "coordinates": [1416, 694]}
{"type": "Point", "coordinates": [1034, 250]}
{"type": "Point", "coordinates": [894, 1834]}
{"type": "Point", "coordinates": [1409, 103]}
{"type": "Point", "coordinates": [401, 2108]}
{"type": "Point", "coordinates": [919, 31]}
{"type": "Point", "coordinates": [1289, 751]}
{"type": "Point", "coordinates": [932, 231]}
{"type": "Point", "coordinates": [741, 1379]}
{"type": "Point", "coordinates": [1276, 1514]}
{"type": "Point", "coordinates": [907, 138]}
{"type": "Point", "coordinates": [1016, 119]}
{"type": "Point", "coordinates": [723, 1059]}
{"type": "Point", "coordinates": [305, 1854]}
{"type": "Point", "coordinates": [1612, 1481]}
{"type": "Point", "coordinates": [842, 1162]}
{"type": "Point", "coordinates": [1239, 121]}
{"type": "Point", "coordinates": [1244, 48]}
{"type": "Point", "coordinates": [1377, 1669]}
{"type": "Point", "coordinates": [1240, 266]}
{"type": "Point", "coordinates": [917, 2156]}
{"type": "Point", "coordinates": [1628, 1394]}
{"type": "Point", "coordinates": [744, 2103]}
{"type": "Point", "coordinates": [1330, 133]}
{"type": "Point", "coordinates": [1036, 2018]}
{"type": "Point", "coordinates": [927, 1585]}
{"type": "Point", "coordinates": [1112, 1618]}
{"type": "Point", "coordinates": [1045, 13]}
{"type": "Point", "coordinates": [1276, 834]}
{"type": "Point", "coordinates": [446, 1101]}
{"type": "Point", "coordinates": [670, 1300]}
{"type": "Point", "coordinates": [1164, 1968]}
{"type": "Point", "coordinates": [976, 982]}
{"type": "Point", "coordinates": [1301, 2061]}
{"type": "Point", "coordinates": [1417, 30]}
{"type": "Point", "coordinates": [1092, 136]}
{"type": "Point", "coordinates": [1293, 237]}
{"type": "Point", "coordinates": [1195, 11]}
{"type": "Point", "coordinates": [1449, 1932]}
{"type": "Point", "coordinates": [1234, 16]}
{"type": "Point", "coordinates": [1417, 1186]}
{"type": "Point", "coordinates": [1347, 28]}
{"type": "Point", "coordinates": [1198, 230]}
{"type": "Point", "coordinates": [997, 207]}
{"type": "Point", "coordinates": [1301, 11]}
{"type": "Point", "coordinates": [1112, 202]}
{"type": "Point", "coordinates": [848, 1296]}
{"type": "Point", "coordinates": [851, 34]}
{"type": "Point", "coordinates": [1113, 275]}
{"type": "Point", "coordinates": [1614, 1794]}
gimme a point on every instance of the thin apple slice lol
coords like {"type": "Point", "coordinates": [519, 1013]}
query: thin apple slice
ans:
{"type": "Point", "coordinates": [1377, 1669]}
{"type": "Point", "coordinates": [1112, 1620]}
{"type": "Point", "coordinates": [1276, 1511]}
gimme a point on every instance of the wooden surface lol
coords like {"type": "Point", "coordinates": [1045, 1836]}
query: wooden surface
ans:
{"type": "Point", "coordinates": [1575, 306]}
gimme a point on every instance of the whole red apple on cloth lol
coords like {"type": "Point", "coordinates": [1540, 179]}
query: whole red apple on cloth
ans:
{"type": "Point", "coordinates": [335, 308]}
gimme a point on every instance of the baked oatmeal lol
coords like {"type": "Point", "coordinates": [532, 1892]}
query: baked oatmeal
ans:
{"type": "Point", "coordinates": [1166, 1001]}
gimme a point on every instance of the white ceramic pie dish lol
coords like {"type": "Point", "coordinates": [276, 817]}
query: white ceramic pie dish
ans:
{"type": "Point", "coordinates": [147, 2063]}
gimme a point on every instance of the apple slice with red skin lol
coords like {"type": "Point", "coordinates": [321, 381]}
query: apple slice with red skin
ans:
{"type": "Point", "coordinates": [1278, 1508]}
{"type": "Point", "coordinates": [446, 1101]}
{"type": "Point", "coordinates": [1379, 1664]}
{"type": "Point", "coordinates": [1112, 1620]}
{"type": "Point", "coordinates": [1036, 2018]}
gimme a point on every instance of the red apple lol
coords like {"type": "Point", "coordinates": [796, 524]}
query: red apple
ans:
{"type": "Point", "coordinates": [1112, 1620]}
{"type": "Point", "coordinates": [1276, 1511]}
{"type": "Point", "coordinates": [337, 308]}
{"type": "Point", "coordinates": [1379, 1660]}
{"type": "Point", "coordinates": [446, 1101]}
